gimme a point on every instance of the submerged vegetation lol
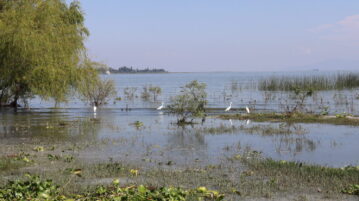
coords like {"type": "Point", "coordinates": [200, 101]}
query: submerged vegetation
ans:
{"type": "Point", "coordinates": [331, 82]}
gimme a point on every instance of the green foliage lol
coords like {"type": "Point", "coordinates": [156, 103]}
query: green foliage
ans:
{"type": "Point", "coordinates": [190, 103]}
{"type": "Point", "coordinates": [41, 47]}
{"type": "Point", "coordinates": [352, 190]}
{"type": "Point", "coordinates": [342, 115]}
{"type": "Point", "coordinates": [100, 67]}
{"type": "Point", "coordinates": [32, 189]}
{"type": "Point", "coordinates": [138, 193]}
{"type": "Point", "coordinates": [138, 124]}
{"type": "Point", "coordinates": [36, 189]}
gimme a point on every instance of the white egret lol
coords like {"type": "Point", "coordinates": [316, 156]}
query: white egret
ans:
{"type": "Point", "coordinates": [247, 109]}
{"type": "Point", "coordinates": [229, 107]}
{"type": "Point", "coordinates": [248, 122]}
{"type": "Point", "coordinates": [161, 107]}
{"type": "Point", "coordinates": [94, 108]}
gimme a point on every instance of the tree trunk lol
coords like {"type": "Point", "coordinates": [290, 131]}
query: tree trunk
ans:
{"type": "Point", "coordinates": [14, 103]}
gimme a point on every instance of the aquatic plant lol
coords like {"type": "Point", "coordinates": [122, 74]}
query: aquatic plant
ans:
{"type": "Point", "coordinates": [151, 90]}
{"type": "Point", "coordinates": [130, 92]}
{"type": "Point", "coordinates": [145, 95]}
{"type": "Point", "coordinates": [31, 189]}
{"type": "Point", "coordinates": [299, 95]}
{"type": "Point", "coordinates": [138, 124]}
{"type": "Point", "coordinates": [155, 90]}
{"type": "Point", "coordinates": [339, 81]}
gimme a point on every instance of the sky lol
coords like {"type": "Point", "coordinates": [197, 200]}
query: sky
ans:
{"type": "Point", "coordinates": [224, 35]}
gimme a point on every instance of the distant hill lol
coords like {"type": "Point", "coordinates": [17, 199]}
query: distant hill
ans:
{"type": "Point", "coordinates": [126, 69]}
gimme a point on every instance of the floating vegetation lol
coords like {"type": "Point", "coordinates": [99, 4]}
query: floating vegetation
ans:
{"type": "Point", "coordinates": [138, 124]}
{"type": "Point", "coordinates": [339, 81]}
{"type": "Point", "coordinates": [33, 188]}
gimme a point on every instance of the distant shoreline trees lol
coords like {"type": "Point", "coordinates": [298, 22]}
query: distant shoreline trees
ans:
{"type": "Point", "coordinates": [126, 69]}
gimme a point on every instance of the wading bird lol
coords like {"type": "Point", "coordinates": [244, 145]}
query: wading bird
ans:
{"type": "Point", "coordinates": [161, 107]}
{"type": "Point", "coordinates": [229, 107]}
{"type": "Point", "coordinates": [94, 108]}
{"type": "Point", "coordinates": [247, 109]}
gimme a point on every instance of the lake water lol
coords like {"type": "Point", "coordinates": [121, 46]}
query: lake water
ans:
{"type": "Point", "coordinates": [110, 132]}
{"type": "Point", "coordinates": [222, 88]}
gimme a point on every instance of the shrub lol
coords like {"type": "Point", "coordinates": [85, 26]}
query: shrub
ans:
{"type": "Point", "coordinates": [97, 92]}
{"type": "Point", "coordinates": [155, 91]}
{"type": "Point", "coordinates": [190, 103]}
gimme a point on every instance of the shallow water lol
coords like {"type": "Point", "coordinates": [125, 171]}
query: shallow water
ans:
{"type": "Point", "coordinates": [110, 134]}
{"type": "Point", "coordinates": [222, 88]}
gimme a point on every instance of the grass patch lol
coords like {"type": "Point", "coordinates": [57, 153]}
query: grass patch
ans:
{"type": "Point", "coordinates": [294, 118]}
{"type": "Point", "coordinates": [294, 177]}
{"type": "Point", "coordinates": [323, 82]}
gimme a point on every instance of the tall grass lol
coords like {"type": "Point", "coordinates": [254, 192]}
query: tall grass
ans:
{"type": "Point", "coordinates": [339, 81]}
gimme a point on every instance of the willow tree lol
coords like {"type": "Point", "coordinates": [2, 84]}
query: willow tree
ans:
{"type": "Point", "coordinates": [41, 48]}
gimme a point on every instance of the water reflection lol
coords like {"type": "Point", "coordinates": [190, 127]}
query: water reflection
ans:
{"type": "Point", "coordinates": [295, 145]}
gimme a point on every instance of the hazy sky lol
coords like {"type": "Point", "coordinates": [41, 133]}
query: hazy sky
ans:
{"type": "Point", "coordinates": [223, 35]}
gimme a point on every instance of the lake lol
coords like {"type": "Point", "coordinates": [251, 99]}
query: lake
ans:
{"type": "Point", "coordinates": [111, 134]}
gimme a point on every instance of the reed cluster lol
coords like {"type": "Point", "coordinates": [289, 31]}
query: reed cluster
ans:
{"type": "Point", "coordinates": [339, 81]}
